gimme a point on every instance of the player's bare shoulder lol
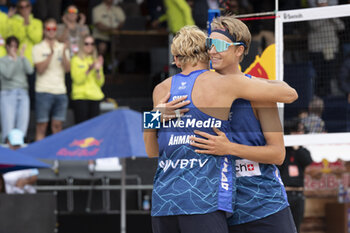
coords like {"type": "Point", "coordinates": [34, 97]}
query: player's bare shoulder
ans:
{"type": "Point", "coordinates": [161, 89]}
{"type": "Point", "coordinates": [215, 79]}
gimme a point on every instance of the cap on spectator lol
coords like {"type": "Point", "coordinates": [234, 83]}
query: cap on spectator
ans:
{"type": "Point", "coordinates": [16, 137]}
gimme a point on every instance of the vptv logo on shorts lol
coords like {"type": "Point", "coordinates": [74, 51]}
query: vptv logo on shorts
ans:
{"type": "Point", "coordinates": [151, 120]}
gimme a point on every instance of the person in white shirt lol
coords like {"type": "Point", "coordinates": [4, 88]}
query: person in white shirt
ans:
{"type": "Point", "coordinates": [21, 181]}
{"type": "Point", "coordinates": [51, 60]}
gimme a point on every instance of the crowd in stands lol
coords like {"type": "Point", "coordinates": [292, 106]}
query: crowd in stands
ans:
{"type": "Point", "coordinates": [45, 51]}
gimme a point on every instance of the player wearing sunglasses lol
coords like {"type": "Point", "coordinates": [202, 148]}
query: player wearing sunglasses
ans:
{"type": "Point", "coordinates": [256, 139]}
{"type": "Point", "coordinates": [220, 45]}
{"type": "Point", "coordinates": [192, 192]}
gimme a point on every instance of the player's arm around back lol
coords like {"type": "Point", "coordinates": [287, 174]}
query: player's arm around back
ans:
{"type": "Point", "coordinates": [274, 151]}
{"type": "Point", "coordinates": [150, 135]}
{"type": "Point", "coordinates": [255, 89]}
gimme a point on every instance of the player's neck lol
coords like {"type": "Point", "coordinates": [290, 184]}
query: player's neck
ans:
{"type": "Point", "coordinates": [186, 69]}
{"type": "Point", "coordinates": [232, 69]}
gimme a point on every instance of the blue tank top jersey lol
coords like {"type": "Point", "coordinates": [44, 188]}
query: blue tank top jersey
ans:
{"type": "Point", "coordinates": [259, 188]}
{"type": "Point", "coordinates": [187, 182]}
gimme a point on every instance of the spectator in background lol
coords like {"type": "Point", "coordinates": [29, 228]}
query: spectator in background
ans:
{"type": "Point", "coordinates": [87, 80]}
{"type": "Point", "coordinates": [106, 18]}
{"type": "Point", "coordinates": [19, 182]}
{"type": "Point", "coordinates": [14, 100]}
{"type": "Point", "coordinates": [51, 59]}
{"type": "Point", "coordinates": [323, 45]}
{"type": "Point", "coordinates": [178, 14]}
{"type": "Point", "coordinates": [313, 121]}
{"type": "Point", "coordinates": [26, 28]}
{"type": "Point", "coordinates": [292, 172]}
{"type": "Point", "coordinates": [344, 84]}
{"type": "Point", "coordinates": [73, 28]}
{"type": "Point", "coordinates": [29, 32]}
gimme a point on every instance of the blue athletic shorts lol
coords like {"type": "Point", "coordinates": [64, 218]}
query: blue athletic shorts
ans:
{"type": "Point", "coordinates": [49, 105]}
{"type": "Point", "coordinates": [280, 222]}
{"type": "Point", "coordinates": [214, 222]}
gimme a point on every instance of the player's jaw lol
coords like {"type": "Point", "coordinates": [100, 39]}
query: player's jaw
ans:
{"type": "Point", "coordinates": [215, 60]}
{"type": "Point", "coordinates": [221, 63]}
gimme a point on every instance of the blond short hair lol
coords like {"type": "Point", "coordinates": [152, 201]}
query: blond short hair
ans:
{"type": "Point", "coordinates": [189, 46]}
{"type": "Point", "coordinates": [236, 28]}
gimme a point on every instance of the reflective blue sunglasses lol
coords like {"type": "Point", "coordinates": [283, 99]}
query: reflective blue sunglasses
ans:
{"type": "Point", "coordinates": [220, 45]}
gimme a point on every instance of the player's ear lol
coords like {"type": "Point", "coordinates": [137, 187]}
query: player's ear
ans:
{"type": "Point", "coordinates": [240, 50]}
{"type": "Point", "coordinates": [176, 62]}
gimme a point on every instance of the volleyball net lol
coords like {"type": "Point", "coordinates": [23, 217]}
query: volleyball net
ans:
{"type": "Point", "coordinates": [312, 54]}
{"type": "Point", "coordinates": [312, 49]}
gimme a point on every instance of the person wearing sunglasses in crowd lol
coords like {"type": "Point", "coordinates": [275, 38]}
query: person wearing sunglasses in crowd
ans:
{"type": "Point", "coordinates": [51, 59]}
{"type": "Point", "coordinates": [26, 28]}
{"type": "Point", "coordinates": [191, 191]}
{"type": "Point", "coordinates": [87, 80]}
{"type": "Point", "coordinates": [73, 28]}
{"type": "Point", "coordinates": [257, 140]}
{"type": "Point", "coordinates": [29, 31]}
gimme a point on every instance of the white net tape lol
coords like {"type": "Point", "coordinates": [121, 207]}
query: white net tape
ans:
{"type": "Point", "coordinates": [330, 146]}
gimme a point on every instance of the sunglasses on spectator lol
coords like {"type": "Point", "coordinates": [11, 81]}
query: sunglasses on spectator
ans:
{"type": "Point", "coordinates": [23, 6]}
{"type": "Point", "coordinates": [72, 10]}
{"type": "Point", "coordinates": [89, 43]}
{"type": "Point", "coordinates": [53, 29]}
{"type": "Point", "coordinates": [220, 45]}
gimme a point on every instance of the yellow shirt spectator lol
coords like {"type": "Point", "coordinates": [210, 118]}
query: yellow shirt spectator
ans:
{"type": "Point", "coordinates": [85, 86]}
{"type": "Point", "coordinates": [3, 33]}
{"type": "Point", "coordinates": [178, 14]}
{"type": "Point", "coordinates": [29, 35]}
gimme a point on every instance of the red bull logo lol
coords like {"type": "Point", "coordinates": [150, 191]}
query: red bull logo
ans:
{"type": "Point", "coordinates": [82, 147]}
{"type": "Point", "coordinates": [87, 142]}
